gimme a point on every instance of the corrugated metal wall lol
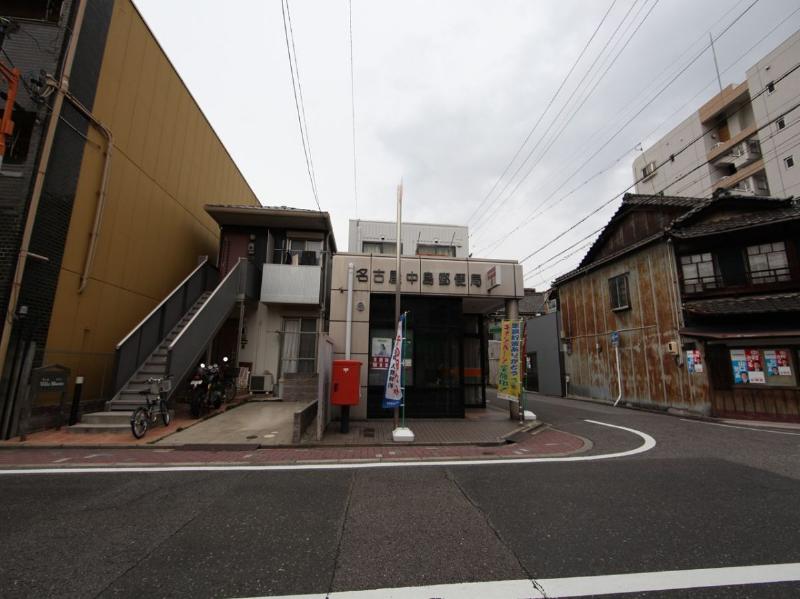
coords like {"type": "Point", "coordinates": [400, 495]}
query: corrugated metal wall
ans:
{"type": "Point", "coordinates": [651, 376]}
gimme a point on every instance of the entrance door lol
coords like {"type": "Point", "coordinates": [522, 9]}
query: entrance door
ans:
{"type": "Point", "coordinates": [299, 345]}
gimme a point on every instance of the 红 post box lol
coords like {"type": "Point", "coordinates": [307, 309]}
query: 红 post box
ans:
{"type": "Point", "coordinates": [346, 382]}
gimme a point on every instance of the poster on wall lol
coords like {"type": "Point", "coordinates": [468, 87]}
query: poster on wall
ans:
{"type": "Point", "coordinates": [777, 362]}
{"type": "Point", "coordinates": [381, 352]}
{"type": "Point", "coordinates": [694, 362]}
{"type": "Point", "coordinates": [747, 366]}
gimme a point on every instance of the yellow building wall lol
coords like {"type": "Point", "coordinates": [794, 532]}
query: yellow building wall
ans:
{"type": "Point", "coordinates": [167, 162]}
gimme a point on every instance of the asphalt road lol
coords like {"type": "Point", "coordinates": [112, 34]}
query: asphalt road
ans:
{"type": "Point", "coordinates": [705, 497]}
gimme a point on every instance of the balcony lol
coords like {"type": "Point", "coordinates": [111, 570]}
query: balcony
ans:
{"type": "Point", "coordinates": [294, 278]}
{"type": "Point", "coordinates": [722, 149]}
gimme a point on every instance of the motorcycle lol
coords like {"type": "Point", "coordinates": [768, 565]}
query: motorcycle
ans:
{"type": "Point", "coordinates": [207, 389]}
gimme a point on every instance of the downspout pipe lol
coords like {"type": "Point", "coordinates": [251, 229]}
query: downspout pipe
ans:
{"type": "Point", "coordinates": [619, 376]}
{"type": "Point", "coordinates": [38, 184]}
{"type": "Point", "coordinates": [348, 339]}
{"type": "Point", "coordinates": [101, 195]}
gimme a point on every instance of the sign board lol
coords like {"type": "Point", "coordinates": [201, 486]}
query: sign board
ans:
{"type": "Point", "coordinates": [615, 338]}
{"type": "Point", "coordinates": [53, 380]}
{"type": "Point", "coordinates": [393, 395]}
{"type": "Point", "coordinates": [694, 362]}
{"type": "Point", "coordinates": [509, 379]}
{"type": "Point", "coordinates": [494, 277]}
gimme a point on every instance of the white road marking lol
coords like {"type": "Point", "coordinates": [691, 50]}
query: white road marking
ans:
{"type": "Point", "coordinates": [61, 460]}
{"type": "Point", "coordinates": [648, 444]}
{"type": "Point", "coordinates": [581, 586]}
{"type": "Point", "coordinates": [744, 428]}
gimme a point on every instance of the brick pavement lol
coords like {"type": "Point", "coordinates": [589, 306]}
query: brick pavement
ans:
{"type": "Point", "coordinates": [542, 442]}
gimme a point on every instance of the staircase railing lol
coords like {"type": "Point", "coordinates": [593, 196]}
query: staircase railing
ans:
{"type": "Point", "coordinates": [137, 345]}
{"type": "Point", "coordinates": [187, 348]}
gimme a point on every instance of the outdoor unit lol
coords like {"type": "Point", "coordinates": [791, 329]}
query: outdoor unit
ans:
{"type": "Point", "coordinates": [261, 383]}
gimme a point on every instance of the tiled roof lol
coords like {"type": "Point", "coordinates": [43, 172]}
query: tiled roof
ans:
{"type": "Point", "coordinates": [756, 304]}
{"type": "Point", "coordinates": [634, 199]}
{"type": "Point", "coordinates": [740, 220]}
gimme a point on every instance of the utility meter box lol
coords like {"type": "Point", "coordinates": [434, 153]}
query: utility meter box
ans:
{"type": "Point", "coordinates": [346, 383]}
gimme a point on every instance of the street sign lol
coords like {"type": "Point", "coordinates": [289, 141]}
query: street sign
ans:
{"type": "Point", "coordinates": [615, 338]}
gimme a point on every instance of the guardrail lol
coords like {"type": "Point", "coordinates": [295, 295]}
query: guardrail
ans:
{"type": "Point", "coordinates": [187, 348]}
{"type": "Point", "coordinates": [137, 345]}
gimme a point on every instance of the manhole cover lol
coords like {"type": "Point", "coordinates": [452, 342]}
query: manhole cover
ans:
{"type": "Point", "coordinates": [368, 432]}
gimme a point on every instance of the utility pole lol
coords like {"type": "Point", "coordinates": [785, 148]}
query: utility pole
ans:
{"type": "Point", "coordinates": [398, 280]}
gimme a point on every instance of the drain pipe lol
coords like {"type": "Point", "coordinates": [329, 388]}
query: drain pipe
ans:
{"type": "Point", "coordinates": [38, 184]}
{"type": "Point", "coordinates": [619, 376]}
{"type": "Point", "coordinates": [348, 339]}
{"type": "Point", "coordinates": [101, 195]}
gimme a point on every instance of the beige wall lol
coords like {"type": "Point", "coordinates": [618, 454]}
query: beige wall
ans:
{"type": "Point", "coordinates": [167, 163]}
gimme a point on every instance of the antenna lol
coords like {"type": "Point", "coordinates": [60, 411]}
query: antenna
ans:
{"type": "Point", "coordinates": [716, 65]}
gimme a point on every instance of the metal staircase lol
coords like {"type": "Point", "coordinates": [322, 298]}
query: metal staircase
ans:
{"type": "Point", "coordinates": [172, 338]}
{"type": "Point", "coordinates": [155, 365]}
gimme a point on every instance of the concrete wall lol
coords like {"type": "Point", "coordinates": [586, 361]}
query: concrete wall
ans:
{"type": "Point", "coordinates": [543, 338]}
{"type": "Point", "coordinates": [667, 177]}
{"type": "Point", "coordinates": [412, 233]}
{"type": "Point", "coordinates": [651, 376]}
{"type": "Point", "coordinates": [777, 144]}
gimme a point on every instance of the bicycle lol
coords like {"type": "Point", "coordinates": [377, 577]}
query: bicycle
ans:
{"type": "Point", "coordinates": [144, 416]}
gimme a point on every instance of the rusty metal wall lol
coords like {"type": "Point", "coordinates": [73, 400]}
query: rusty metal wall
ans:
{"type": "Point", "coordinates": [651, 376]}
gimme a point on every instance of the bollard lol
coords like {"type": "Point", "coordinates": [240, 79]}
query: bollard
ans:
{"type": "Point", "coordinates": [76, 399]}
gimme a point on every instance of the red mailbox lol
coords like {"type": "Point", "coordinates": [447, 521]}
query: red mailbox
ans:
{"type": "Point", "coordinates": [346, 382]}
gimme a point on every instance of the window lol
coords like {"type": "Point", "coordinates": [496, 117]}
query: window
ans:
{"type": "Point", "coordinates": [699, 273]}
{"type": "Point", "coordinates": [649, 170]}
{"type": "Point", "coordinates": [773, 367]}
{"type": "Point", "coordinates": [789, 161]}
{"type": "Point", "coordinates": [424, 249]}
{"type": "Point", "coordinates": [770, 87]}
{"type": "Point", "coordinates": [768, 263]}
{"type": "Point", "coordinates": [380, 247]}
{"type": "Point", "coordinates": [40, 10]}
{"type": "Point", "coordinates": [781, 123]}
{"type": "Point", "coordinates": [618, 291]}
{"type": "Point", "coordinates": [303, 252]}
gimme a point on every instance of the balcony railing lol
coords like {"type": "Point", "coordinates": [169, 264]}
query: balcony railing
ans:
{"type": "Point", "coordinates": [296, 280]}
{"type": "Point", "coordinates": [700, 284]}
{"type": "Point", "coordinates": [770, 275]}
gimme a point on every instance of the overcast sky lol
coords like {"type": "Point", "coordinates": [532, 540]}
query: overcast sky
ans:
{"type": "Point", "coordinates": [445, 93]}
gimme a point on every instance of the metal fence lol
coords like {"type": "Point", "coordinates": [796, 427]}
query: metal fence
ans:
{"type": "Point", "coordinates": [134, 349]}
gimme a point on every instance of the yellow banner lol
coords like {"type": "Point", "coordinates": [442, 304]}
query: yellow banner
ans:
{"type": "Point", "coordinates": [508, 373]}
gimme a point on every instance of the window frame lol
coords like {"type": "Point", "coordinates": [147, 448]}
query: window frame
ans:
{"type": "Point", "coordinates": [788, 162]}
{"type": "Point", "coordinates": [780, 274]}
{"type": "Point", "coordinates": [700, 285]}
{"type": "Point", "coordinates": [614, 293]}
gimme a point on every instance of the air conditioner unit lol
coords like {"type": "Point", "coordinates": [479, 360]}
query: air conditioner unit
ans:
{"type": "Point", "coordinates": [261, 383]}
{"type": "Point", "coordinates": [672, 347]}
{"type": "Point", "coordinates": [649, 170]}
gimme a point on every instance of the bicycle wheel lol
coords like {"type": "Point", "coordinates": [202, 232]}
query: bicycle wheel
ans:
{"type": "Point", "coordinates": [165, 417]}
{"type": "Point", "coordinates": [139, 422]}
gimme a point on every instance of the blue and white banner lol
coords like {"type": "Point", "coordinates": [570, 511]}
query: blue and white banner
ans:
{"type": "Point", "coordinates": [393, 397]}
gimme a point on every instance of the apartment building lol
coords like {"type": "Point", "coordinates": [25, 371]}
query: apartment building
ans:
{"type": "Point", "coordinates": [102, 192]}
{"type": "Point", "coordinates": [742, 139]}
{"type": "Point", "coordinates": [419, 239]}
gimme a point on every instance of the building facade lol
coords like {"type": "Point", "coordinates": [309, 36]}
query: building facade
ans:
{"type": "Point", "coordinates": [689, 304]}
{"type": "Point", "coordinates": [741, 140]}
{"type": "Point", "coordinates": [103, 188]}
{"type": "Point", "coordinates": [419, 239]}
{"type": "Point", "coordinates": [446, 300]}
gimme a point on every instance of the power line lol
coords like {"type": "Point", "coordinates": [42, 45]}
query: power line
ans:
{"type": "Point", "coordinates": [353, 104]}
{"type": "Point", "coordinates": [491, 206]}
{"type": "Point", "coordinates": [539, 210]}
{"type": "Point", "coordinates": [299, 102]}
{"type": "Point", "coordinates": [686, 147]}
{"type": "Point", "coordinates": [541, 116]}
{"type": "Point", "coordinates": [575, 112]}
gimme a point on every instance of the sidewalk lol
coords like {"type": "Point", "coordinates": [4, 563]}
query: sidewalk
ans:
{"type": "Point", "coordinates": [541, 442]}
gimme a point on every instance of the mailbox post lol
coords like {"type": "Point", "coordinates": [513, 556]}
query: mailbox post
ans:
{"type": "Point", "coordinates": [345, 389]}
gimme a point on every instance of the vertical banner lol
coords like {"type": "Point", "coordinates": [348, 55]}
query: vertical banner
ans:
{"type": "Point", "coordinates": [393, 397]}
{"type": "Point", "coordinates": [508, 372]}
